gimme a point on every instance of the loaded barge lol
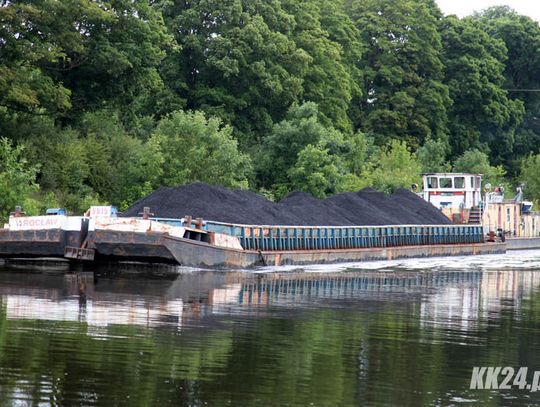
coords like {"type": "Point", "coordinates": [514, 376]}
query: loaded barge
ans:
{"type": "Point", "coordinates": [103, 236]}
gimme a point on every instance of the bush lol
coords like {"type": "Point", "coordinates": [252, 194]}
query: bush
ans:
{"type": "Point", "coordinates": [530, 171]}
{"type": "Point", "coordinates": [197, 148]}
{"type": "Point", "coordinates": [17, 179]}
{"type": "Point", "coordinates": [392, 168]}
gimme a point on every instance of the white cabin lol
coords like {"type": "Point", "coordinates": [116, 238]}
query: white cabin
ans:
{"type": "Point", "coordinates": [453, 190]}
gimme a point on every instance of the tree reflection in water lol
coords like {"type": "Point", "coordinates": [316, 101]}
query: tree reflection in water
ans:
{"type": "Point", "coordinates": [354, 337]}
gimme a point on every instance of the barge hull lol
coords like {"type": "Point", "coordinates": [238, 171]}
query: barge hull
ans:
{"type": "Point", "coordinates": [130, 245]}
{"type": "Point", "coordinates": [523, 243]}
{"type": "Point", "coordinates": [31, 243]}
{"type": "Point", "coordinates": [186, 252]}
{"type": "Point", "coordinates": [157, 246]}
{"type": "Point", "coordinates": [18, 241]}
{"type": "Point", "coordinates": [381, 253]}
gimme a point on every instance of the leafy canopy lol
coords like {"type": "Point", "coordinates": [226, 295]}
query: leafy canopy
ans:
{"type": "Point", "coordinates": [477, 162]}
{"type": "Point", "coordinates": [481, 113]}
{"type": "Point", "coordinates": [394, 166]}
{"type": "Point", "coordinates": [404, 96]}
{"type": "Point", "coordinates": [197, 148]}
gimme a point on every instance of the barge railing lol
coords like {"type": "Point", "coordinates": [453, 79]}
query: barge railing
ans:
{"type": "Point", "coordinates": [279, 237]}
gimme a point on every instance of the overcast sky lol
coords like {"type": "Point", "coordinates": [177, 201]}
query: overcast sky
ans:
{"type": "Point", "coordinates": [463, 8]}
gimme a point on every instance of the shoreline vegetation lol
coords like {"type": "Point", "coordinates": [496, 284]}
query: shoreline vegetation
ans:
{"type": "Point", "coordinates": [105, 102]}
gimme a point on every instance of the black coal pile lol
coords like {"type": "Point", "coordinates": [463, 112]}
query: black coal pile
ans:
{"type": "Point", "coordinates": [212, 203]}
{"type": "Point", "coordinates": [313, 211]}
{"type": "Point", "coordinates": [365, 207]}
{"type": "Point", "coordinates": [409, 201]}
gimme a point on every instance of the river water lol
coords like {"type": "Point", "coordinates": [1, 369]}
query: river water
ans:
{"type": "Point", "coordinates": [381, 333]}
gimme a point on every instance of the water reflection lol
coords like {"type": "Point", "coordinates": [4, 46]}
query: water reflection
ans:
{"type": "Point", "coordinates": [471, 304]}
{"type": "Point", "coordinates": [387, 334]}
{"type": "Point", "coordinates": [444, 297]}
{"type": "Point", "coordinates": [78, 298]}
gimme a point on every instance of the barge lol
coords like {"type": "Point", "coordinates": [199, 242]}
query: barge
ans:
{"type": "Point", "coordinates": [102, 236]}
{"type": "Point", "coordinates": [215, 244]}
{"type": "Point", "coordinates": [42, 236]}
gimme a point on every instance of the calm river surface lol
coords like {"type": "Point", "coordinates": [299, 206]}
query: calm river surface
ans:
{"type": "Point", "coordinates": [386, 333]}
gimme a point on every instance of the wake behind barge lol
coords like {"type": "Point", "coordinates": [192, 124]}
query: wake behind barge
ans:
{"type": "Point", "coordinates": [220, 245]}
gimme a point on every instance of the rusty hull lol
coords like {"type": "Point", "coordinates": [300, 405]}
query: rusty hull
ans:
{"type": "Point", "coordinates": [162, 247]}
{"type": "Point", "coordinates": [34, 243]}
{"type": "Point", "coordinates": [200, 254]}
{"type": "Point", "coordinates": [186, 252]}
{"type": "Point", "coordinates": [129, 245]}
{"type": "Point", "coordinates": [302, 257]}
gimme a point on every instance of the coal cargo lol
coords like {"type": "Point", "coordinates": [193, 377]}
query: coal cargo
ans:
{"type": "Point", "coordinates": [365, 207]}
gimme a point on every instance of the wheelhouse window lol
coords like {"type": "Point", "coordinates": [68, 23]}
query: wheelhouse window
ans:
{"type": "Point", "coordinates": [432, 183]}
{"type": "Point", "coordinates": [459, 182]}
{"type": "Point", "coordinates": [477, 182]}
{"type": "Point", "coordinates": [445, 182]}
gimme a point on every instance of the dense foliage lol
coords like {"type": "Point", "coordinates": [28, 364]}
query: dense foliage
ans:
{"type": "Point", "coordinates": [104, 101]}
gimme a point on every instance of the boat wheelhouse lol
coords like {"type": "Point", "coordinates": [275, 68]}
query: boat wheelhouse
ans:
{"type": "Point", "coordinates": [455, 191]}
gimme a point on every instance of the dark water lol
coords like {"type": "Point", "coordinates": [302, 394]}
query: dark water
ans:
{"type": "Point", "coordinates": [395, 333]}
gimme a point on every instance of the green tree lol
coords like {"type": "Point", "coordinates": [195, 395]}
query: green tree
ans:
{"type": "Point", "coordinates": [521, 36]}
{"type": "Point", "coordinates": [403, 93]}
{"type": "Point", "coordinates": [197, 148]}
{"type": "Point", "coordinates": [393, 167]}
{"type": "Point", "coordinates": [530, 168]}
{"type": "Point", "coordinates": [303, 126]}
{"type": "Point", "coordinates": [138, 169]}
{"type": "Point", "coordinates": [24, 45]}
{"type": "Point", "coordinates": [122, 168]}
{"type": "Point", "coordinates": [115, 54]}
{"type": "Point", "coordinates": [64, 163]}
{"type": "Point", "coordinates": [481, 111]}
{"type": "Point", "coordinates": [237, 61]}
{"type": "Point", "coordinates": [78, 53]}
{"type": "Point", "coordinates": [328, 81]}
{"type": "Point", "coordinates": [342, 30]}
{"type": "Point", "coordinates": [357, 151]}
{"type": "Point", "coordinates": [432, 156]}
{"type": "Point", "coordinates": [316, 171]}
{"type": "Point", "coordinates": [322, 94]}
{"type": "Point", "coordinates": [98, 161]}
{"type": "Point", "coordinates": [17, 178]}
{"type": "Point", "coordinates": [477, 162]}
